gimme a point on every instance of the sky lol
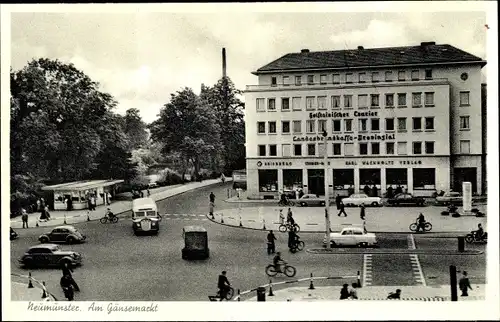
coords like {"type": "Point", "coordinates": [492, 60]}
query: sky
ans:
{"type": "Point", "coordinates": [141, 58]}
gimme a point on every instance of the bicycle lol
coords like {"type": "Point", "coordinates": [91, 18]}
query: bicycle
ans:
{"type": "Point", "coordinates": [228, 297]}
{"type": "Point", "coordinates": [298, 246]}
{"type": "Point", "coordinates": [286, 203]}
{"type": "Point", "coordinates": [106, 218]}
{"type": "Point", "coordinates": [288, 270]}
{"type": "Point", "coordinates": [287, 227]}
{"type": "Point", "coordinates": [427, 226]}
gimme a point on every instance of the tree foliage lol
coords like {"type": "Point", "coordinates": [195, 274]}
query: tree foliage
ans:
{"type": "Point", "coordinates": [135, 128]}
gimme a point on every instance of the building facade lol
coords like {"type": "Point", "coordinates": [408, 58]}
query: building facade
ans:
{"type": "Point", "coordinates": [406, 117]}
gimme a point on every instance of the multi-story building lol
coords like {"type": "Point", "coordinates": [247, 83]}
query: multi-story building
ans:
{"type": "Point", "coordinates": [398, 116]}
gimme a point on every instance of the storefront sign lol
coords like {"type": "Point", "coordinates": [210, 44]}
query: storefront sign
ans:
{"type": "Point", "coordinates": [342, 114]}
{"type": "Point", "coordinates": [346, 138]}
{"type": "Point", "coordinates": [384, 162]}
{"type": "Point", "coordinates": [315, 163]}
{"type": "Point", "coordinates": [273, 164]}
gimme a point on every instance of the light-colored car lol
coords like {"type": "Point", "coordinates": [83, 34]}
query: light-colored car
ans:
{"type": "Point", "coordinates": [311, 200]}
{"type": "Point", "coordinates": [352, 236]}
{"type": "Point", "coordinates": [357, 199]}
{"type": "Point", "coordinates": [451, 197]}
{"type": "Point", "coordinates": [50, 255]}
{"type": "Point", "coordinates": [153, 185]}
{"type": "Point", "coordinates": [63, 234]}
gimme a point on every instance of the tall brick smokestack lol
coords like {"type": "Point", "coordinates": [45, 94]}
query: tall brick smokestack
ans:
{"type": "Point", "coordinates": [224, 62]}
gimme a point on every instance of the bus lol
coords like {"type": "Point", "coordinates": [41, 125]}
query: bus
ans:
{"type": "Point", "coordinates": [145, 216]}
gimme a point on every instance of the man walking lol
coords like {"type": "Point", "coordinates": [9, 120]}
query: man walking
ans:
{"type": "Point", "coordinates": [362, 212]}
{"type": "Point", "coordinates": [271, 247]}
{"type": "Point", "coordinates": [24, 217]}
{"type": "Point", "coordinates": [341, 209]}
{"type": "Point", "coordinates": [211, 209]}
{"type": "Point", "coordinates": [66, 271]}
{"type": "Point", "coordinates": [212, 197]}
{"type": "Point", "coordinates": [464, 284]}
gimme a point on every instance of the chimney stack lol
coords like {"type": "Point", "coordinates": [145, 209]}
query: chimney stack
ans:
{"type": "Point", "coordinates": [224, 62]}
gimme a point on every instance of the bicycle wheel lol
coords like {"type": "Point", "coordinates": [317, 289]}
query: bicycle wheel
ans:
{"type": "Point", "coordinates": [114, 220]}
{"type": "Point", "coordinates": [413, 227]}
{"type": "Point", "coordinates": [293, 249]}
{"type": "Point", "coordinates": [301, 245]}
{"type": "Point", "coordinates": [291, 203]}
{"type": "Point", "coordinates": [469, 239]}
{"type": "Point", "coordinates": [271, 270]}
{"type": "Point", "coordinates": [230, 293]}
{"type": "Point", "coordinates": [290, 271]}
{"type": "Point", "coordinates": [428, 226]}
{"type": "Point", "coordinates": [282, 228]}
{"type": "Point", "coordinates": [104, 220]}
{"type": "Point", "coordinates": [297, 228]}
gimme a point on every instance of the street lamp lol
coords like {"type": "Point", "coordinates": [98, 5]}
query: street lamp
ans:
{"type": "Point", "coordinates": [327, 199]}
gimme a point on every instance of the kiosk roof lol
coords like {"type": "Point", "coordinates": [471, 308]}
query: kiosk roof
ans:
{"type": "Point", "coordinates": [82, 185]}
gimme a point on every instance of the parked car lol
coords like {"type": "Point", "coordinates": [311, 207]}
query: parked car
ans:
{"type": "Point", "coordinates": [448, 198]}
{"type": "Point", "coordinates": [361, 198]}
{"type": "Point", "coordinates": [311, 200]}
{"type": "Point", "coordinates": [352, 236]}
{"type": "Point", "coordinates": [50, 255]}
{"type": "Point", "coordinates": [13, 234]}
{"type": "Point", "coordinates": [405, 199]}
{"type": "Point", "coordinates": [63, 234]}
{"type": "Point", "coordinates": [153, 185]}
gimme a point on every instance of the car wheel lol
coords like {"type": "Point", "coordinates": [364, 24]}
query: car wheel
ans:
{"type": "Point", "coordinates": [44, 240]}
{"type": "Point", "coordinates": [332, 244]}
{"type": "Point", "coordinates": [303, 204]}
{"type": "Point", "coordinates": [322, 203]}
{"type": "Point", "coordinates": [65, 262]}
{"type": "Point", "coordinates": [28, 263]}
{"type": "Point", "coordinates": [375, 204]}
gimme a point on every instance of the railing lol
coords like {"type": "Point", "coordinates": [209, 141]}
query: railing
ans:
{"type": "Point", "coordinates": [45, 295]}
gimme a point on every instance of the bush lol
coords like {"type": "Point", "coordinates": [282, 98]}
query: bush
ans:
{"type": "Point", "coordinates": [169, 177]}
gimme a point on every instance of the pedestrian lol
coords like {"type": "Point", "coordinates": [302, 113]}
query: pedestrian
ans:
{"type": "Point", "coordinates": [66, 202]}
{"type": "Point", "coordinates": [353, 293]}
{"type": "Point", "coordinates": [291, 238]}
{"type": "Point", "coordinates": [92, 202]}
{"type": "Point", "coordinates": [47, 213]}
{"type": "Point", "coordinates": [66, 271]}
{"type": "Point", "coordinates": [108, 195]}
{"type": "Point", "coordinates": [364, 227]}
{"type": "Point", "coordinates": [42, 203]}
{"type": "Point", "coordinates": [271, 246]}
{"type": "Point", "coordinates": [67, 287]}
{"type": "Point", "coordinates": [341, 208]}
{"type": "Point", "coordinates": [38, 203]}
{"type": "Point", "coordinates": [395, 295]}
{"type": "Point", "coordinates": [374, 191]}
{"type": "Point", "coordinates": [24, 217]}
{"type": "Point", "coordinates": [212, 197]}
{"type": "Point", "coordinates": [282, 217]}
{"type": "Point", "coordinates": [211, 209]}
{"type": "Point", "coordinates": [366, 190]}
{"type": "Point", "coordinates": [338, 200]}
{"type": "Point", "coordinates": [344, 292]}
{"type": "Point", "coordinates": [389, 192]}
{"type": "Point", "coordinates": [301, 193]}
{"type": "Point", "coordinates": [289, 214]}
{"type": "Point", "coordinates": [464, 284]}
{"type": "Point", "coordinates": [362, 212]}
{"type": "Point", "coordinates": [296, 194]}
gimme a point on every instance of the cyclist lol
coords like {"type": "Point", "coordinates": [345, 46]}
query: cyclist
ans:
{"type": "Point", "coordinates": [420, 222]}
{"type": "Point", "coordinates": [289, 218]}
{"type": "Point", "coordinates": [110, 214]}
{"type": "Point", "coordinates": [293, 239]}
{"type": "Point", "coordinates": [277, 262]}
{"type": "Point", "coordinates": [283, 198]}
{"type": "Point", "coordinates": [480, 234]}
{"type": "Point", "coordinates": [223, 285]}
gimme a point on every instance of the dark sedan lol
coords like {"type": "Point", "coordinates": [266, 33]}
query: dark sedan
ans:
{"type": "Point", "coordinates": [405, 199]}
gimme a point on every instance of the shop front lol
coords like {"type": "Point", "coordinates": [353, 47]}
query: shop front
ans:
{"type": "Point", "coordinates": [373, 176]}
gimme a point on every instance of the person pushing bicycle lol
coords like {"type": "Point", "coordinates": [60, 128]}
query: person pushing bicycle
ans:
{"type": "Point", "coordinates": [223, 285]}
{"type": "Point", "coordinates": [278, 261]}
{"type": "Point", "coordinates": [421, 222]}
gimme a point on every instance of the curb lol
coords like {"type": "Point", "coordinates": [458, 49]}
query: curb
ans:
{"type": "Point", "coordinates": [324, 251]}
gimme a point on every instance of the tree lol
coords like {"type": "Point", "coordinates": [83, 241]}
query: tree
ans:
{"type": "Point", "coordinates": [135, 128]}
{"type": "Point", "coordinates": [187, 126]}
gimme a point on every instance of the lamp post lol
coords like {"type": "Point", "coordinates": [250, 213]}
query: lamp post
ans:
{"type": "Point", "coordinates": [327, 199]}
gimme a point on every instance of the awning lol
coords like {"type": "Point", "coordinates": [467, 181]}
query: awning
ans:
{"type": "Point", "coordinates": [81, 185]}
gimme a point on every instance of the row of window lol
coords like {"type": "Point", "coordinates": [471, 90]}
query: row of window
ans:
{"type": "Point", "coordinates": [348, 78]}
{"type": "Point", "coordinates": [364, 125]}
{"type": "Point", "coordinates": [317, 149]}
{"type": "Point", "coordinates": [320, 102]}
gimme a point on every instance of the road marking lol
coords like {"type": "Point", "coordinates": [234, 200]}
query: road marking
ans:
{"type": "Point", "coordinates": [411, 242]}
{"type": "Point", "coordinates": [367, 270]}
{"type": "Point", "coordinates": [418, 274]}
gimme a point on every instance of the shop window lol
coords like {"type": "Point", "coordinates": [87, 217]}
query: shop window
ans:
{"type": "Point", "coordinates": [368, 179]}
{"type": "Point", "coordinates": [363, 148]}
{"type": "Point", "coordinates": [262, 150]}
{"type": "Point", "coordinates": [401, 124]}
{"type": "Point", "coordinates": [321, 126]}
{"type": "Point", "coordinates": [464, 98]}
{"type": "Point", "coordinates": [424, 179]}
{"type": "Point", "coordinates": [311, 149]}
{"type": "Point", "coordinates": [402, 75]}
{"type": "Point", "coordinates": [464, 147]}
{"type": "Point", "coordinates": [389, 124]}
{"type": "Point", "coordinates": [348, 101]}
{"type": "Point", "coordinates": [310, 103]}
{"type": "Point", "coordinates": [272, 127]}
{"type": "Point", "coordinates": [335, 102]}
{"type": "Point", "coordinates": [388, 76]}
{"type": "Point", "coordinates": [417, 100]}
{"type": "Point", "coordinates": [429, 123]}
{"type": "Point", "coordinates": [271, 104]}
{"type": "Point", "coordinates": [375, 148]}
{"type": "Point", "coordinates": [322, 102]}
{"type": "Point", "coordinates": [285, 104]}
{"type": "Point", "coordinates": [292, 180]}
{"type": "Point", "coordinates": [310, 126]}
{"type": "Point", "coordinates": [389, 148]}
{"type": "Point", "coordinates": [268, 180]}
{"type": "Point", "coordinates": [464, 123]}
{"type": "Point", "coordinates": [417, 124]}
{"type": "Point", "coordinates": [261, 104]}
{"type": "Point", "coordinates": [310, 79]}
{"type": "Point", "coordinates": [286, 80]}
{"type": "Point", "coordinates": [285, 150]}
{"type": "Point", "coordinates": [402, 100]}
{"type": "Point", "coordinates": [428, 74]}
{"type": "Point", "coordinates": [429, 99]}
{"type": "Point", "coordinates": [375, 103]}
{"type": "Point", "coordinates": [298, 80]}
{"type": "Point", "coordinates": [297, 150]}
{"type": "Point", "coordinates": [362, 101]}
{"type": "Point", "coordinates": [337, 148]}
{"type": "Point", "coordinates": [349, 78]}
{"type": "Point", "coordinates": [349, 149]}
{"type": "Point", "coordinates": [415, 75]}
{"type": "Point", "coordinates": [389, 100]}
{"type": "Point", "coordinates": [429, 147]}
{"type": "Point", "coordinates": [417, 147]}
{"type": "Point", "coordinates": [348, 125]}
{"type": "Point", "coordinates": [322, 79]}
{"type": "Point", "coordinates": [375, 77]}
{"type": "Point", "coordinates": [297, 126]}
{"type": "Point", "coordinates": [336, 78]}
{"type": "Point", "coordinates": [363, 125]}
{"type": "Point", "coordinates": [362, 77]}
{"type": "Point", "coordinates": [402, 148]}
{"type": "Point", "coordinates": [285, 126]}
{"type": "Point", "coordinates": [375, 124]}
{"type": "Point", "coordinates": [274, 81]}
{"type": "Point", "coordinates": [344, 178]}
{"type": "Point", "coordinates": [336, 125]}
{"type": "Point", "coordinates": [396, 177]}
{"type": "Point", "coordinates": [261, 127]}
{"type": "Point", "coordinates": [273, 150]}
{"type": "Point", "coordinates": [296, 104]}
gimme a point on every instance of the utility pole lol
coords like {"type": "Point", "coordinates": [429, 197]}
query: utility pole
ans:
{"type": "Point", "coordinates": [225, 103]}
{"type": "Point", "coordinates": [327, 197]}
{"type": "Point", "coordinates": [453, 283]}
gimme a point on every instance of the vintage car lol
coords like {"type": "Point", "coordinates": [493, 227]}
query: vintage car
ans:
{"type": "Point", "coordinates": [352, 236]}
{"type": "Point", "coordinates": [449, 198]}
{"type": "Point", "coordinates": [312, 200]}
{"type": "Point", "coordinates": [63, 234]}
{"type": "Point", "coordinates": [50, 255]}
{"type": "Point", "coordinates": [405, 199]}
{"type": "Point", "coordinates": [195, 242]}
{"type": "Point", "coordinates": [145, 216]}
{"type": "Point", "coordinates": [13, 234]}
{"type": "Point", "coordinates": [357, 199]}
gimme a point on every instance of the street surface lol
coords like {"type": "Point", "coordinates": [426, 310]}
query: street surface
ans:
{"type": "Point", "coordinates": [118, 266]}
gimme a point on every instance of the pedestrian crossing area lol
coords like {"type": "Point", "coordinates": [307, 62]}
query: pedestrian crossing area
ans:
{"type": "Point", "coordinates": [174, 216]}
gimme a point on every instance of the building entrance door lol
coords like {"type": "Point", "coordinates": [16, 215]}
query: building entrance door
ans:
{"type": "Point", "coordinates": [316, 181]}
{"type": "Point", "coordinates": [465, 175]}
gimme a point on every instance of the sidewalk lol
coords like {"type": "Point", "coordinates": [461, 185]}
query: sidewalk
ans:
{"type": "Point", "coordinates": [374, 293]}
{"type": "Point", "coordinates": [378, 219]}
{"type": "Point", "coordinates": [20, 290]}
{"type": "Point", "coordinates": [117, 207]}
